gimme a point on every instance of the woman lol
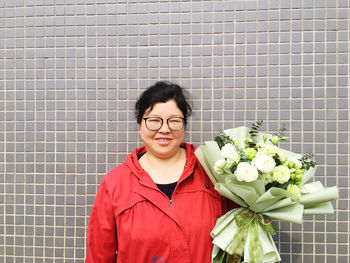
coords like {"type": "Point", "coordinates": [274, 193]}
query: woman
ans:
{"type": "Point", "coordinates": [159, 205]}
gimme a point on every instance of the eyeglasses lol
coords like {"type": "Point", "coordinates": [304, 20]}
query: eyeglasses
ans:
{"type": "Point", "coordinates": [155, 123]}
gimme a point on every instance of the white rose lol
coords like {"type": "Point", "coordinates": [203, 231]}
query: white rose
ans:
{"type": "Point", "coordinates": [260, 144]}
{"type": "Point", "coordinates": [294, 189]}
{"type": "Point", "coordinates": [281, 156]}
{"type": "Point", "coordinates": [270, 149]}
{"type": "Point", "coordinates": [219, 166]}
{"type": "Point", "coordinates": [246, 172]}
{"type": "Point", "coordinates": [260, 153]}
{"type": "Point", "coordinates": [281, 174]}
{"type": "Point", "coordinates": [296, 162]}
{"type": "Point", "coordinates": [229, 152]}
{"type": "Point", "coordinates": [264, 163]}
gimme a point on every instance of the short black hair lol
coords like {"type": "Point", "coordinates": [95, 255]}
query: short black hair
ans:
{"type": "Point", "coordinates": [163, 91]}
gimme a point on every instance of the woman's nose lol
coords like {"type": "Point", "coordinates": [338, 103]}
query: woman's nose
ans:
{"type": "Point", "coordinates": [164, 128]}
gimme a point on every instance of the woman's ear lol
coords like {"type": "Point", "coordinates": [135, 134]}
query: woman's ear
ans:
{"type": "Point", "coordinates": [139, 127]}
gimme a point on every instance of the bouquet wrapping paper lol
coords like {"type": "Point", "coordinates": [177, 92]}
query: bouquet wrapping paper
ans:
{"type": "Point", "coordinates": [246, 231]}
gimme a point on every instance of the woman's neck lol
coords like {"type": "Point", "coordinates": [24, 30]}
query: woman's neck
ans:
{"type": "Point", "coordinates": [164, 170]}
{"type": "Point", "coordinates": [158, 161]}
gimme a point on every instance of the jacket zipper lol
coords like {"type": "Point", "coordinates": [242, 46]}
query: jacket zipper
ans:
{"type": "Point", "coordinates": [170, 200]}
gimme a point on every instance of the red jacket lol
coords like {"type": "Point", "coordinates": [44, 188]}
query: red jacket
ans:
{"type": "Point", "coordinates": [132, 216]}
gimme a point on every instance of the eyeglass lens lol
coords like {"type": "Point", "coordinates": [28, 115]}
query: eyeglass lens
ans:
{"type": "Point", "coordinates": [174, 123]}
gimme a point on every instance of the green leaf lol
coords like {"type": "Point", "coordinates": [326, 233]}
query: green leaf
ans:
{"type": "Point", "coordinates": [255, 129]}
{"type": "Point", "coordinates": [307, 161]}
{"type": "Point", "coordinates": [223, 139]}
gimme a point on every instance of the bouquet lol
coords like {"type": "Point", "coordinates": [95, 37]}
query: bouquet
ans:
{"type": "Point", "coordinates": [267, 182]}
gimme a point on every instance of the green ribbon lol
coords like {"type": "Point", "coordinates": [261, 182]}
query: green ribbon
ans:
{"type": "Point", "coordinates": [266, 224]}
{"type": "Point", "coordinates": [248, 220]}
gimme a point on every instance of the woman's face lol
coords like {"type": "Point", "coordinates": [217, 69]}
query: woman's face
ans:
{"type": "Point", "coordinates": [163, 143]}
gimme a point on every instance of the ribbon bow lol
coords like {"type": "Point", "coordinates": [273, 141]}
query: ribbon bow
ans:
{"type": "Point", "coordinates": [247, 220]}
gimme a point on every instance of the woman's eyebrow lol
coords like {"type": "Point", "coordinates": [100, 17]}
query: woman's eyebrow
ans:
{"type": "Point", "coordinates": [158, 116]}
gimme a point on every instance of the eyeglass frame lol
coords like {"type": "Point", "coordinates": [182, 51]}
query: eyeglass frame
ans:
{"type": "Point", "coordinates": [167, 122]}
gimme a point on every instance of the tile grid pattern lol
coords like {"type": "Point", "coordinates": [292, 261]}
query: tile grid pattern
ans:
{"type": "Point", "coordinates": [70, 71]}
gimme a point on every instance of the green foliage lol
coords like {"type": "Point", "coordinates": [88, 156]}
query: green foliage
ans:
{"type": "Point", "coordinates": [255, 129]}
{"type": "Point", "coordinates": [307, 161]}
{"type": "Point", "coordinates": [244, 157]}
{"type": "Point", "coordinates": [223, 139]}
{"type": "Point", "coordinates": [282, 130]}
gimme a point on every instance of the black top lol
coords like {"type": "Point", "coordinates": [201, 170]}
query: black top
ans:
{"type": "Point", "coordinates": [167, 189]}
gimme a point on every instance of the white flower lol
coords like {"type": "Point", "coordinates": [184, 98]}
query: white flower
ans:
{"type": "Point", "coordinates": [229, 152]}
{"type": "Point", "coordinates": [281, 156]}
{"type": "Point", "coordinates": [294, 189]}
{"type": "Point", "coordinates": [264, 163]}
{"type": "Point", "coordinates": [260, 144]}
{"type": "Point", "coordinates": [246, 172]}
{"type": "Point", "coordinates": [296, 162]}
{"type": "Point", "coordinates": [270, 149]}
{"type": "Point", "coordinates": [219, 166]}
{"type": "Point", "coordinates": [281, 174]}
{"type": "Point", "coordinates": [260, 153]}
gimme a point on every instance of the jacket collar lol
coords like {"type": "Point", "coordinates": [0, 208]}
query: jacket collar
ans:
{"type": "Point", "coordinates": [133, 163]}
{"type": "Point", "coordinates": [148, 189]}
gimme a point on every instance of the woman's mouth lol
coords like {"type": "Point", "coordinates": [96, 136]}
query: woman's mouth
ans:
{"type": "Point", "coordinates": [163, 141]}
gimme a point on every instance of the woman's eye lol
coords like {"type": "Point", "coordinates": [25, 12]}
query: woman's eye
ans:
{"type": "Point", "coordinates": [154, 120]}
{"type": "Point", "coordinates": [175, 120]}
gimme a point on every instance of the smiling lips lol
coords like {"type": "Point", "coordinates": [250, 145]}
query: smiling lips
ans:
{"type": "Point", "coordinates": [163, 141]}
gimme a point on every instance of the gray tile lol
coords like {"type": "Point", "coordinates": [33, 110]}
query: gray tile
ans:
{"type": "Point", "coordinates": [53, 128]}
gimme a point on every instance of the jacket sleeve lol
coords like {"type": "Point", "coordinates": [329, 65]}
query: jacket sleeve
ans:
{"type": "Point", "coordinates": [102, 233]}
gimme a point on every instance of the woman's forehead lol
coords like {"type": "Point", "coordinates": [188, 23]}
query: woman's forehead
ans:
{"type": "Point", "coordinates": [168, 108]}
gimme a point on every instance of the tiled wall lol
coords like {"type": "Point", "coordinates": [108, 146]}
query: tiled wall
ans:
{"type": "Point", "coordinates": [70, 71]}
